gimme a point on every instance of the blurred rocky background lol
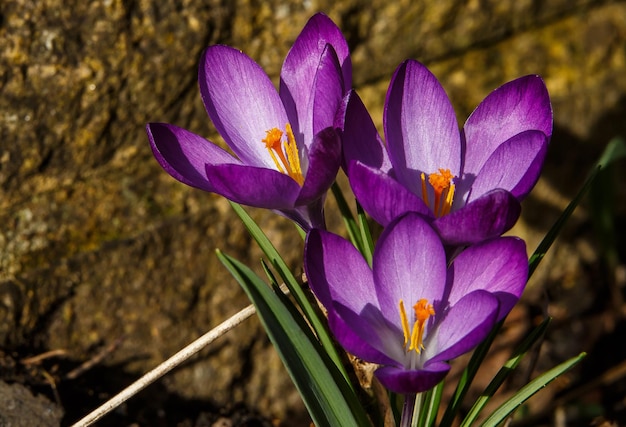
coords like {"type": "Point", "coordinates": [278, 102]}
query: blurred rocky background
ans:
{"type": "Point", "coordinates": [105, 258]}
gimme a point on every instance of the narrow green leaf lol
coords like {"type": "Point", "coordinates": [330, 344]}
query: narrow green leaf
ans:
{"type": "Point", "coordinates": [433, 408]}
{"type": "Point", "coordinates": [269, 274]}
{"type": "Point", "coordinates": [615, 150]}
{"type": "Point", "coordinates": [603, 202]}
{"type": "Point", "coordinates": [366, 235]}
{"type": "Point", "coordinates": [429, 406]}
{"type": "Point", "coordinates": [508, 407]}
{"type": "Point", "coordinates": [328, 398]}
{"type": "Point", "coordinates": [467, 376]}
{"type": "Point", "coordinates": [348, 219]}
{"type": "Point", "coordinates": [292, 284]}
{"type": "Point", "coordinates": [505, 371]}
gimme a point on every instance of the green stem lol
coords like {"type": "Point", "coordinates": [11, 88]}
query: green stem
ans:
{"type": "Point", "coordinates": [407, 410]}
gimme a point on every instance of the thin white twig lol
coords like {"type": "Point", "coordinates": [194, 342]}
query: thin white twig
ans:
{"type": "Point", "coordinates": [166, 366]}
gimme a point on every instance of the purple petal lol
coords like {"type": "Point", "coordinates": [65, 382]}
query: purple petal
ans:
{"type": "Point", "coordinates": [499, 266]}
{"type": "Point", "coordinates": [360, 138]}
{"type": "Point", "coordinates": [420, 126]}
{"type": "Point", "coordinates": [486, 217]}
{"type": "Point", "coordinates": [400, 380]}
{"type": "Point", "coordinates": [367, 334]}
{"type": "Point", "coordinates": [354, 344]}
{"type": "Point", "coordinates": [337, 271]}
{"type": "Point", "coordinates": [252, 186]}
{"type": "Point", "coordinates": [301, 66]}
{"type": "Point", "coordinates": [467, 323]}
{"type": "Point", "coordinates": [241, 101]}
{"type": "Point", "coordinates": [307, 216]}
{"type": "Point", "coordinates": [381, 196]}
{"type": "Point", "coordinates": [324, 162]}
{"type": "Point", "coordinates": [328, 91]}
{"type": "Point", "coordinates": [513, 108]}
{"type": "Point", "coordinates": [409, 264]}
{"type": "Point", "coordinates": [514, 166]}
{"type": "Point", "coordinates": [184, 154]}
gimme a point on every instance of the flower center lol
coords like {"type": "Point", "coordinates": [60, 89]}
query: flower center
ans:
{"type": "Point", "coordinates": [443, 188]}
{"type": "Point", "coordinates": [414, 338]}
{"type": "Point", "coordinates": [287, 161]}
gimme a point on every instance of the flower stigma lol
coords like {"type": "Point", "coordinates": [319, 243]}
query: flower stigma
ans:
{"type": "Point", "coordinates": [443, 187]}
{"type": "Point", "coordinates": [415, 337]}
{"type": "Point", "coordinates": [287, 161]}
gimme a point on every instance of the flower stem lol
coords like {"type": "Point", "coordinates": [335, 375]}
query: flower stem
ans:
{"type": "Point", "coordinates": [417, 408]}
{"type": "Point", "coordinates": [407, 410]}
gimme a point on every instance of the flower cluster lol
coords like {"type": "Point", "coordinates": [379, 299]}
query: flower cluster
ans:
{"type": "Point", "coordinates": [441, 275]}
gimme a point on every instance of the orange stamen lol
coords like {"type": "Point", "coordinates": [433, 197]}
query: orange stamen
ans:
{"type": "Point", "coordinates": [415, 337]}
{"type": "Point", "coordinates": [289, 164]}
{"type": "Point", "coordinates": [443, 189]}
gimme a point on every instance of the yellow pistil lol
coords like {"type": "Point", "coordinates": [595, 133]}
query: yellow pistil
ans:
{"type": "Point", "coordinates": [415, 337]}
{"type": "Point", "coordinates": [443, 188]}
{"type": "Point", "coordinates": [289, 164]}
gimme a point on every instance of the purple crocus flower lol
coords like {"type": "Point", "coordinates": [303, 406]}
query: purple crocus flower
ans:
{"type": "Point", "coordinates": [287, 151]}
{"type": "Point", "coordinates": [409, 312]}
{"type": "Point", "coordinates": [467, 183]}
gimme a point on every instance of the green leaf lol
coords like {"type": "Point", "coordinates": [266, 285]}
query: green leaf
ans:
{"type": "Point", "coordinates": [467, 376]}
{"type": "Point", "coordinates": [508, 407]}
{"type": "Point", "coordinates": [327, 396]}
{"type": "Point", "coordinates": [429, 406]}
{"type": "Point", "coordinates": [432, 409]}
{"type": "Point", "coordinates": [292, 284]}
{"type": "Point", "coordinates": [615, 150]}
{"type": "Point", "coordinates": [603, 202]}
{"type": "Point", "coordinates": [506, 370]}
{"type": "Point", "coordinates": [348, 219]}
{"type": "Point", "coordinates": [366, 235]}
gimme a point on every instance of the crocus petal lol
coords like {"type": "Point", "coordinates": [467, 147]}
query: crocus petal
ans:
{"type": "Point", "coordinates": [324, 162]}
{"type": "Point", "coordinates": [515, 107]}
{"type": "Point", "coordinates": [381, 196]}
{"type": "Point", "coordinates": [306, 216]}
{"type": "Point", "coordinates": [467, 323]}
{"type": "Point", "coordinates": [301, 65]}
{"type": "Point", "coordinates": [360, 138]}
{"type": "Point", "coordinates": [241, 101]}
{"type": "Point", "coordinates": [252, 186]}
{"type": "Point", "coordinates": [409, 264]}
{"type": "Point", "coordinates": [499, 266]}
{"type": "Point", "coordinates": [402, 381]}
{"type": "Point", "coordinates": [328, 91]}
{"type": "Point", "coordinates": [514, 166]}
{"type": "Point", "coordinates": [420, 126]}
{"type": "Point", "coordinates": [486, 217]}
{"type": "Point", "coordinates": [330, 262]}
{"type": "Point", "coordinates": [367, 335]}
{"type": "Point", "coordinates": [184, 154]}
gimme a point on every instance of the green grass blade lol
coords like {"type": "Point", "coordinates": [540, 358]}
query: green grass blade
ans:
{"type": "Point", "coordinates": [505, 371]}
{"type": "Point", "coordinates": [366, 235]}
{"type": "Point", "coordinates": [292, 284]}
{"type": "Point", "coordinates": [433, 409]}
{"type": "Point", "coordinates": [508, 407]}
{"type": "Point", "coordinates": [615, 150]}
{"type": "Point", "coordinates": [468, 376]}
{"type": "Point", "coordinates": [430, 406]}
{"type": "Point", "coordinates": [328, 398]}
{"type": "Point", "coordinates": [348, 219]}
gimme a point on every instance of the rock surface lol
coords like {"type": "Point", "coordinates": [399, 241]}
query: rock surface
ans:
{"type": "Point", "coordinates": [97, 243]}
{"type": "Point", "coordinates": [19, 408]}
